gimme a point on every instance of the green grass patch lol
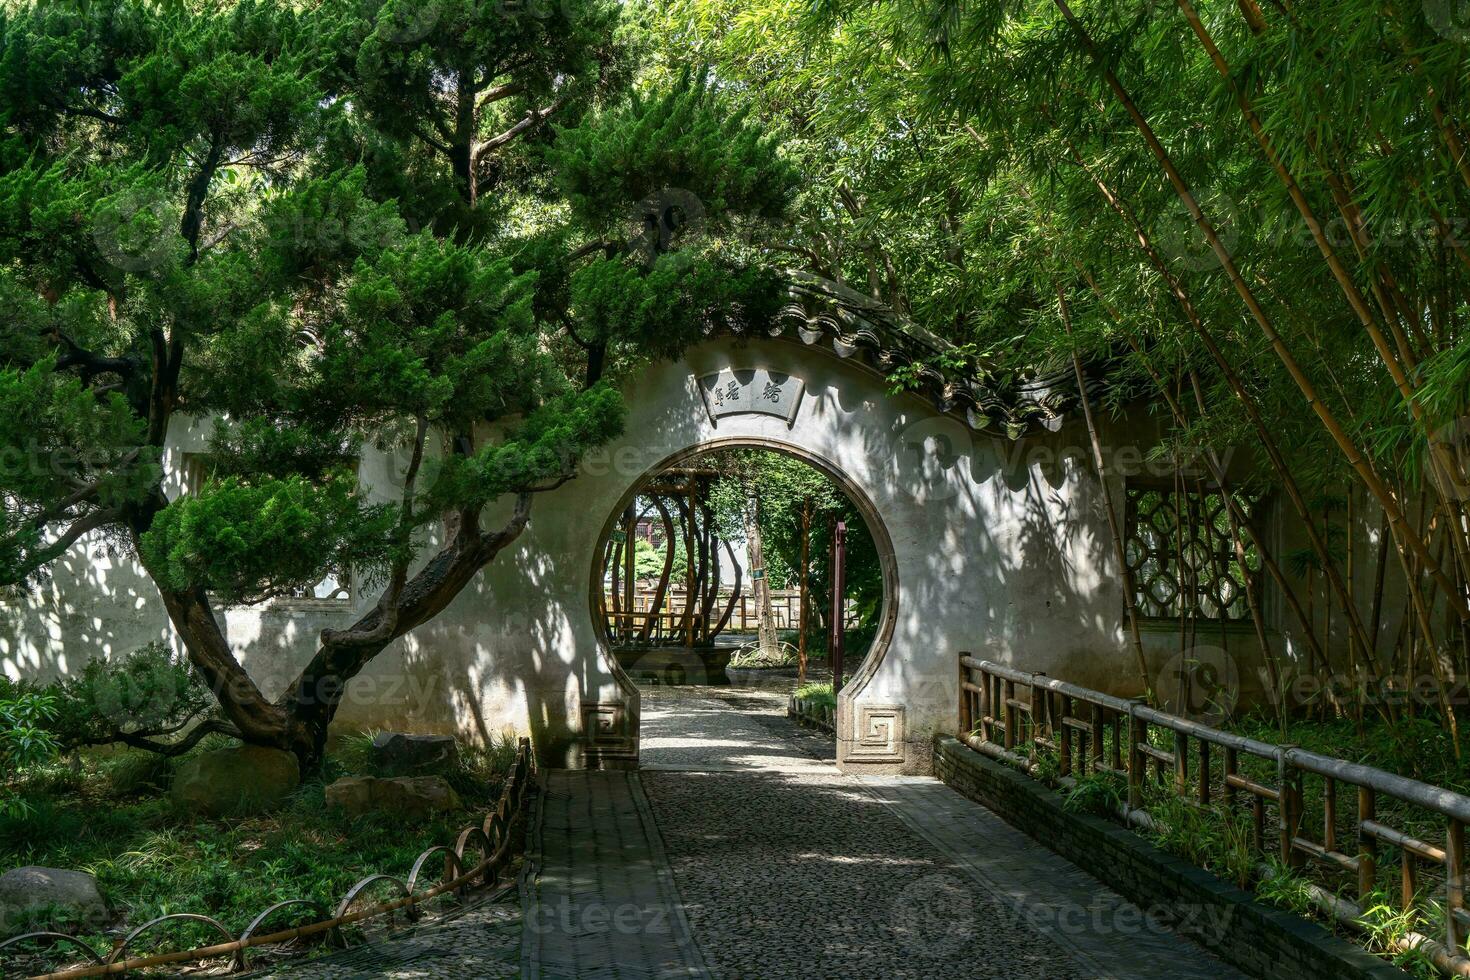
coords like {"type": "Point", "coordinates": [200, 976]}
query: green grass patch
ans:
{"type": "Point", "coordinates": [817, 694]}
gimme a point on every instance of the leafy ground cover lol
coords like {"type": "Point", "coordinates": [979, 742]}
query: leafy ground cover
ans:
{"type": "Point", "coordinates": [109, 813]}
{"type": "Point", "coordinates": [819, 695]}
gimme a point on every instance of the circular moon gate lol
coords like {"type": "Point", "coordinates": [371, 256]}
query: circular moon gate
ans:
{"type": "Point", "coordinates": [676, 490]}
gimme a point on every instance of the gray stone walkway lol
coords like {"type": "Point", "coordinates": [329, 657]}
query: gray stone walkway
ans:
{"type": "Point", "coordinates": [601, 900]}
{"type": "Point", "coordinates": [739, 851]}
{"type": "Point", "coordinates": [767, 862]}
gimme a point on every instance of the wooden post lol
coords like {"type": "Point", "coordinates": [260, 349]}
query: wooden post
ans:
{"type": "Point", "coordinates": [1064, 736]}
{"type": "Point", "coordinates": [967, 713]}
{"type": "Point", "coordinates": [1454, 858]}
{"type": "Point", "coordinates": [839, 589]}
{"type": "Point", "coordinates": [989, 713]}
{"type": "Point", "coordinates": [1289, 809]}
{"type": "Point", "coordinates": [1204, 772]}
{"type": "Point", "coordinates": [1329, 814]}
{"type": "Point", "coordinates": [1008, 697]}
{"type": "Point", "coordinates": [1137, 735]}
{"type": "Point", "coordinates": [1181, 763]}
{"type": "Point", "coordinates": [1097, 736]}
{"type": "Point", "coordinates": [1232, 764]}
{"type": "Point", "coordinates": [689, 578]}
{"type": "Point", "coordinates": [1408, 877]}
{"type": "Point", "coordinates": [806, 529]}
{"type": "Point", "coordinates": [630, 546]}
{"type": "Point", "coordinates": [1367, 844]}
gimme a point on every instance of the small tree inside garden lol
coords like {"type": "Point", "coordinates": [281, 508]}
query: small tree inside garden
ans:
{"type": "Point", "coordinates": [438, 229]}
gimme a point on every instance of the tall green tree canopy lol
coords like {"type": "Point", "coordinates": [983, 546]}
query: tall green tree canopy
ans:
{"type": "Point", "coordinates": [1251, 217]}
{"type": "Point", "coordinates": [432, 228]}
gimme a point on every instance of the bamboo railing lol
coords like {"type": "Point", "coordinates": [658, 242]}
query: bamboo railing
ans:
{"type": "Point", "coordinates": [1016, 714]}
{"type": "Point", "coordinates": [493, 838]}
{"type": "Point", "coordinates": [672, 617]}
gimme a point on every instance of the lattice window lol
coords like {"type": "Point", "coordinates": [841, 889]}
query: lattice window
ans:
{"type": "Point", "coordinates": [1182, 556]}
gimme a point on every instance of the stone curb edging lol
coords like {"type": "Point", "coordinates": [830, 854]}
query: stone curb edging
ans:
{"type": "Point", "coordinates": [530, 870]}
{"type": "Point", "coordinates": [1259, 940]}
{"type": "Point", "coordinates": [695, 964]}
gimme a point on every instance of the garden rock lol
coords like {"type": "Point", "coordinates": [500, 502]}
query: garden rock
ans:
{"type": "Point", "coordinates": [236, 782]}
{"type": "Point", "coordinates": [410, 797]}
{"type": "Point", "coordinates": [31, 897]}
{"type": "Point", "coordinates": [397, 752]}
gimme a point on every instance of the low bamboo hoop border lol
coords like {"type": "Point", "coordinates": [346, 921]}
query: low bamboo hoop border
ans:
{"type": "Point", "coordinates": [823, 716]}
{"type": "Point", "coordinates": [494, 832]}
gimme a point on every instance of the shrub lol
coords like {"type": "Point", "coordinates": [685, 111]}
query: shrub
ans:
{"type": "Point", "coordinates": [25, 741]}
{"type": "Point", "coordinates": [817, 694]}
{"type": "Point", "coordinates": [1097, 793]}
{"type": "Point", "coordinates": [149, 693]}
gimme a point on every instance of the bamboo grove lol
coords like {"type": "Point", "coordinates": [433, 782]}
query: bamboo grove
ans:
{"type": "Point", "coordinates": [1253, 214]}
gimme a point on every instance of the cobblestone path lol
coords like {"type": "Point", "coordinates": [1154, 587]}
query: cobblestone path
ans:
{"type": "Point", "coordinates": [740, 852]}
{"type": "Point", "coordinates": [789, 869]}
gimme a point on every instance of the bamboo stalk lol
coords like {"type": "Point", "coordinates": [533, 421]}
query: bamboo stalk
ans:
{"type": "Point", "coordinates": [1237, 385]}
{"type": "Point", "coordinates": [1119, 553]}
{"type": "Point", "coordinates": [1404, 535]}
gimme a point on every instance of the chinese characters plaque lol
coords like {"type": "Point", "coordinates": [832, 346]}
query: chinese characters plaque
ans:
{"type": "Point", "coordinates": [755, 390]}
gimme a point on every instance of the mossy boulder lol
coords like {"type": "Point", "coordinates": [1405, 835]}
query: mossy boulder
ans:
{"type": "Point", "coordinates": [402, 753]}
{"type": "Point", "coordinates": [412, 798]}
{"type": "Point", "coordinates": [34, 899]}
{"type": "Point", "coordinates": [236, 782]}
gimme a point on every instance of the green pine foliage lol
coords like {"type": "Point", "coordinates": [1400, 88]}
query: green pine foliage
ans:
{"type": "Point", "coordinates": [316, 230]}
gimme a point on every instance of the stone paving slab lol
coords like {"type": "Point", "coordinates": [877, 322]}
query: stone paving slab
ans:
{"type": "Point", "coordinates": [601, 902]}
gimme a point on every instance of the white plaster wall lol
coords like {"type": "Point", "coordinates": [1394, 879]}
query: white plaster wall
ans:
{"type": "Point", "coordinates": [1008, 561]}
{"type": "Point", "coordinates": [997, 548]}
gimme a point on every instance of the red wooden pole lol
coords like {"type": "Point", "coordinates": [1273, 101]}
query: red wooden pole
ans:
{"type": "Point", "coordinates": [839, 587]}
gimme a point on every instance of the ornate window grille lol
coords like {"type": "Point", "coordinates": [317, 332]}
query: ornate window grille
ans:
{"type": "Point", "coordinates": [1181, 554]}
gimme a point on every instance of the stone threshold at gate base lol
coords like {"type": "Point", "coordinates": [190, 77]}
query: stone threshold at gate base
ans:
{"type": "Point", "coordinates": [1227, 920]}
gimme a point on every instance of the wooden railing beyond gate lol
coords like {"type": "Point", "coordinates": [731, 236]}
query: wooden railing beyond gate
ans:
{"type": "Point", "coordinates": [1018, 715]}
